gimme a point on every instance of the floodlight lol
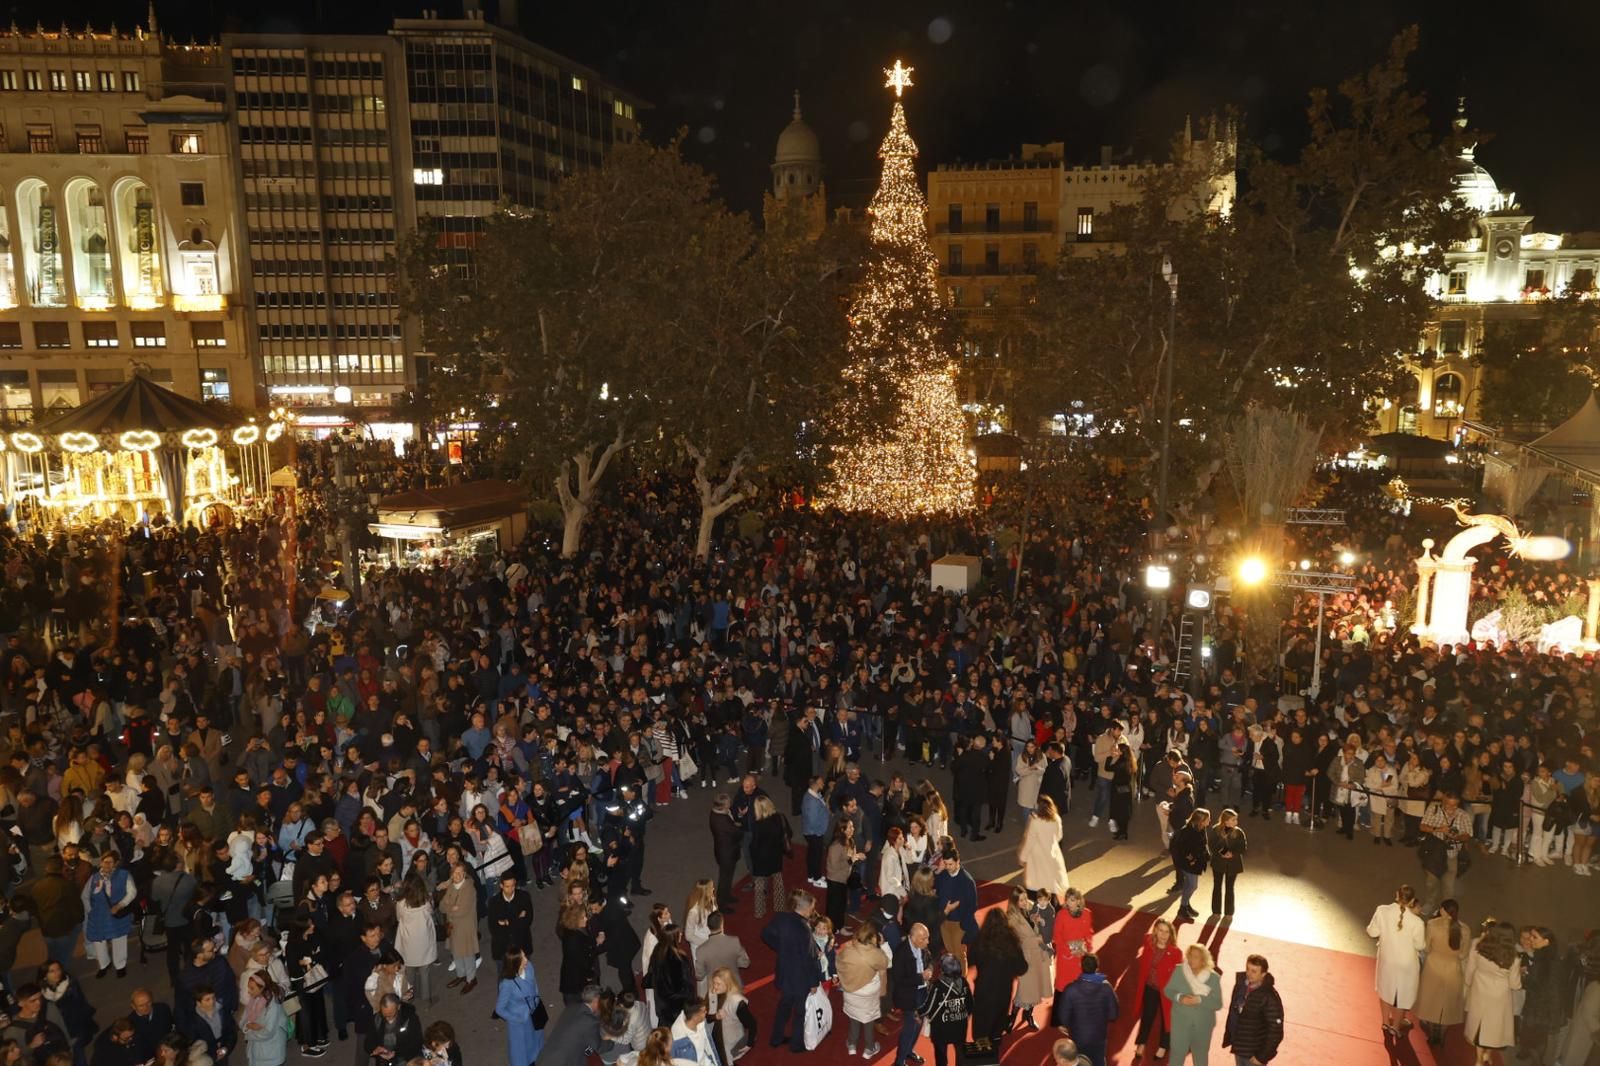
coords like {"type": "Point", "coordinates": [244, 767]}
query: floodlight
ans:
{"type": "Point", "coordinates": [1198, 598]}
{"type": "Point", "coordinates": [1157, 577]}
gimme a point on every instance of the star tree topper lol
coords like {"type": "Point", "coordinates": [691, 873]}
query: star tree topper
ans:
{"type": "Point", "coordinates": [899, 77]}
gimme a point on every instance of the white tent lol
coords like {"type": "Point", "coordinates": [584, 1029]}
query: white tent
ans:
{"type": "Point", "coordinates": [1575, 442]}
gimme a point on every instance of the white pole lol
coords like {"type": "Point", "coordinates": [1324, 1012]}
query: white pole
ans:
{"type": "Point", "coordinates": [1316, 664]}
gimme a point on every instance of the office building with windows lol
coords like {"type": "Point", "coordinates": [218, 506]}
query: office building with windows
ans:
{"type": "Point", "coordinates": [118, 242]}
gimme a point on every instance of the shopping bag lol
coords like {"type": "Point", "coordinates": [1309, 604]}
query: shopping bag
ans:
{"type": "Point", "coordinates": [819, 1018]}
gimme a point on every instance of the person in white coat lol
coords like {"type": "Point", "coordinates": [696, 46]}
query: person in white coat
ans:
{"type": "Point", "coordinates": [1401, 935]}
{"type": "Point", "coordinates": [1493, 978]}
{"type": "Point", "coordinates": [1043, 868]}
{"type": "Point", "coordinates": [414, 936]}
{"type": "Point", "coordinates": [894, 876]}
{"type": "Point", "coordinates": [1028, 768]}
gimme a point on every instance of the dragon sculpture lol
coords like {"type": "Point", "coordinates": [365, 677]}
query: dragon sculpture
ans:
{"type": "Point", "coordinates": [1499, 523]}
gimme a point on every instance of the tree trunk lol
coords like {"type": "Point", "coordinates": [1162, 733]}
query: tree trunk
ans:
{"type": "Point", "coordinates": [577, 485]}
{"type": "Point", "coordinates": [715, 498]}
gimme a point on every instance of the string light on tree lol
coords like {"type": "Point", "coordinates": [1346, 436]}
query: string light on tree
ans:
{"type": "Point", "coordinates": [918, 462]}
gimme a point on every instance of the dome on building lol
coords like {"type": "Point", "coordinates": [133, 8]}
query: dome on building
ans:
{"type": "Point", "coordinates": [1474, 186]}
{"type": "Point", "coordinates": [798, 142]}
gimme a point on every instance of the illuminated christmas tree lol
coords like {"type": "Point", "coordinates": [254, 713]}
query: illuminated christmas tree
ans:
{"type": "Point", "coordinates": [916, 462]}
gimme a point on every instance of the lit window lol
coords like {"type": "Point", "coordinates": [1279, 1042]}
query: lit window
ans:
{"type": "Point", "coordinates": [1457, 283]}
{"type": "Point", "coordinates": [130, 81]}
{"type": "Point", "coordinates": [138, 142]}
{"type": "Point", "coordinates": [41, 139]}
{"type": "Point", "coordinates": [427, 176]}
{"type": "Point", "coordinates": [31, 79]}
{"type": "Point", "coordinates": [8, 80]}
{"type": "Point", "coordinates": [214, 384]}
{"type": "Point", "coordinates": [108, 81]}
{"type": "Point", "coordinates": [58, 81]}
{"type": "Point", "coordinates": [90, 142]}
{"type": "Point", "coordinates": [1085, 223]}
{"type": "Point", "coordinates": [187, 144]}
{"type": "Point", "coordinates": [579, 85]}
{"type": "Point", "coordinates": [82, 81]}
{"type": "Point", "coordinates": [149, 335]}
{"type": "Point", "coordinates": [100, 334]}
{"type": "Point", "coordinates": [209, 334]}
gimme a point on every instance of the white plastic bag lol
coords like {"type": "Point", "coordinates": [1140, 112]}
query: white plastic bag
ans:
{"type": "Point", "coordinates": [819, 1018]}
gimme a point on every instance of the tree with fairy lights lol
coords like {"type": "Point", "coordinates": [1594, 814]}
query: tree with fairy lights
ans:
{"type": "Point", "coordinates": [916, 461]}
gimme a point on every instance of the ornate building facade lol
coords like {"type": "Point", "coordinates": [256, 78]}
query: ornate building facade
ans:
{"type": "Point", "coordinates": [1500, 275]}
{"type": "Point", "coordinates": [797, 183]}
{"type": "Point", "coordinates": [118, 234]}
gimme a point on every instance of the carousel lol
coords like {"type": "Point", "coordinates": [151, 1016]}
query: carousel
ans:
{"type": "Point", "coordinates": [140, 453]}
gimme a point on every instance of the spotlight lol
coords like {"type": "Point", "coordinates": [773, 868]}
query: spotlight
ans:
{"type": "Point", "coordinates": [1157, 577]}
{"type": "Point", "coordinates": [1198, 598]}
{"type": "Point", "coordinates": [1305, 564]}
{"type": "Point", "coordinates": [1347, 558]}
{"type": "Point", "coordinates": [1252, 570]}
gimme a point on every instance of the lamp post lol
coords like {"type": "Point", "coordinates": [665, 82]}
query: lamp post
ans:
{"type": "Point", "coordinates": [345, 500]}
{"type": "Point", "coordinates": [1171, 278]}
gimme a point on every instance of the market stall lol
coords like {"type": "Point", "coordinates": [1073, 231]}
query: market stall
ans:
{"type": "Point", "coordinates": [420, 526]}
{"type": "Point", "coordinates": [137, 452]}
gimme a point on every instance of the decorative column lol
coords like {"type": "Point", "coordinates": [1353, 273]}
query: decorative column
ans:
{"type": "Point", "coordinates": [1452, 593]}
{"type": "Point", "coordinates": [1426, 567]}
{"type": "Point", "coordinates": [1591, 619]}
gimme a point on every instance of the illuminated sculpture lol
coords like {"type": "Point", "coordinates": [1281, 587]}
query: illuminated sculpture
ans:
{"type": "Point", "coordinates": [1444, 581]}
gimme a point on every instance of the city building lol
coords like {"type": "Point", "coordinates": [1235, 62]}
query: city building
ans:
{"type": "Point", "coordinates": [119, 242]}
{"type": "Point", "coordinates": [994, 224]}
{"type": "Point", "coordinates": [347, 143]}
{"type": "Point", "coordinates": [797, 183]}
{"type": "Point", "coordinates": [1495, 278]}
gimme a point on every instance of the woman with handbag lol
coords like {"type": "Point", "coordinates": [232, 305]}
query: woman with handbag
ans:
{"type": "Point", "coordinates": [518, 1004]}
{"type": "Point", "coordinates": [458, 906]}
{"type": "Point", "coordinates": [308, 977]}
{"type": "Point", "coordinates": [579, 949]}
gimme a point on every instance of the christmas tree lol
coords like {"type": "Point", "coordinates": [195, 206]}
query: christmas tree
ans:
{"type": "Point", "coordinates": [916, 463]}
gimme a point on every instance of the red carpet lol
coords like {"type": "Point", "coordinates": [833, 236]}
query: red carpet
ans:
{"type": "Point", "coordinates": [1331, 1009]}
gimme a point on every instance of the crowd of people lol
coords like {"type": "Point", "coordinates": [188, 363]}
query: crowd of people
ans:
{"type": "Point", "coordinates": [322, 827]}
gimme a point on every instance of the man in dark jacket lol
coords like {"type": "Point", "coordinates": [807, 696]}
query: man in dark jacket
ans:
{"type": "Point", "coordinates": [1255, 1016]}
{"type": "Point", "coordinates": [971, 773]}
{"type": "Point", "coordinates": [800, 756]}
{"type": "Point", "coordinates": [797, 968]}
{"type": "Point", "coordinates": [152, 1022]}
{"type": "Point", "coordinates": [1056, 782]}
{"type": "Point", "coordinates": [909, 975]}
{"type": "Point", "coordinates": [58, 906]}
{"type": "Point", "coordinates": [211, 1023]}
{"type": "Point", "coordinates": [353, 979]}
{"type": "Point", "coordinates": [341, 936]}
{"type": "Point", "coordinates": [1089, 1006]}
{"type": "Point", "coordinates": [117, 1046]}
{"type": "Point", "coordinates": [396, 1035]}
{"type": "Point", "coordinates": [575, 1034]}
{"type": "Point", "coordinates": [206, 970]}
{"type": "Point", "coordinates": [510, 918]}
{"type": "Point", "coordinates": [727, 836]}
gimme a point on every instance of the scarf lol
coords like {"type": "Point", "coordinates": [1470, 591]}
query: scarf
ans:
{"type": "Point", "coordinates": [1198, 986]}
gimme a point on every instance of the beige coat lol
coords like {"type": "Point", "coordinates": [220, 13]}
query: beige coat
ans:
{"type": "Point", "coordinates": [1441, 994]}
{"type": "Point", "coordinates": [1410, 778]}
{"type": "Point", "coordinates": [459, 906]}
{"type": "Point", "coordinates": [1040, 856]}
{"type": "Point", "coordinates": [1491, 1014]}
{"type": "Point", "coordinates": [1038, 984]}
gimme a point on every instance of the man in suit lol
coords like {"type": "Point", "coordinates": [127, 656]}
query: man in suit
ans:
{"type": "Point", "coordinates": [1057, 780]}
{"type": "Point", "coordinates": [151, 1022]}
{"type": "Point", "coordinates": [800, 756]}
{"type": "Point", "coordinates": [720, 949]}
{"type": "Point", "coordinates": [909, 975]}
{"type": "Point", "coordinates": [797, 969]}
{"type": "Point", "coordinates": [510, 918]}
{"type": "Point", "coordinates": [396, 1036]}
{"type": "Point", "coordinates": [576, 1033]}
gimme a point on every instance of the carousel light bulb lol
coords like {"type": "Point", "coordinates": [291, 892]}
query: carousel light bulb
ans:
{"type": "Point", "coordinates": [199, 438]}
{"type": "Point", "coordinates": [246, 435]}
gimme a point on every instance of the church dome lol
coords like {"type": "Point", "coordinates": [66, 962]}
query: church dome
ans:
{"type": "Point", "coordinates": [1473, 185]}
{"type": "Point", "coordinates": [798, 142]}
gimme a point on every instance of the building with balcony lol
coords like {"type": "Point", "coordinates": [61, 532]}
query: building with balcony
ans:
{"type": "Point", "coordinates": [1492, 280]}
{"type": "Point", "coordinates": [118, 238]}
{"type": "Point", "coordinates": [994, 225]}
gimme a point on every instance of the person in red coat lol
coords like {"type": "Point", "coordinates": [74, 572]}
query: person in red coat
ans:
{"type": "Point", "coordinates": [1157, 960]}
{"type": "Point", "coordinates": [1073, 937]}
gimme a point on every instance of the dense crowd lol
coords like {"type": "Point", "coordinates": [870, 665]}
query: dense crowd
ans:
{"type": "Point", "coordinates": [314, 820]}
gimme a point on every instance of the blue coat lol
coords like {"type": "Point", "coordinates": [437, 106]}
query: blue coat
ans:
{"type": "Point", "coordinates": [1089, 1007]}
{"type": "Point", "coordinates": [100, 923]}
{"type": "Point", "coordinates": [514, 1003]}
{"type": "Point", "coordinates": [813, 816]}
{"type": "Point", "coordinates": [789, 937]}
{"type": "Point", "coordinates": [269, 1045]}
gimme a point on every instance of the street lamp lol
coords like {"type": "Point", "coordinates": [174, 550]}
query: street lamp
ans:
{"type": "Point", "coordinates": [1171, 278]}
{"type": "Point", "coordinates": [1157, 577]}
{"type": "Point", "coordinates": [1252, 571]}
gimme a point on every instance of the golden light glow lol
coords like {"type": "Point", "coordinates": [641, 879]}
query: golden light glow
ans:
{"type": "Point", "coordinates": [139, 440]}
{"type": "Point", "coordinates": [1252, 571]}
{"type": "Point", "coordinates": [918, 462]}
{"type": "Point", "coordinates": [80, 442]}
{"type": "Point", "coordinates": [899, 77]}
{"type": "Point", "coordinates": [27, 442]}
{"type": "Point", "coordinates": [94, 303]}
{"type": "Point", "coordinates": [144, 302]}
{"type": "Point", "coordinates": [199, 438]}
{"type": "Point", "coordinates": [247, 435]}
{"type": "Point", "coordinates": [274, 431]}
{"type": "Point", "coordinates": [214, 301]}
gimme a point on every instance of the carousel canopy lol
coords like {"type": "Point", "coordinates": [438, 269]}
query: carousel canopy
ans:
{"type": "Point", "coordinates": [139, 404]}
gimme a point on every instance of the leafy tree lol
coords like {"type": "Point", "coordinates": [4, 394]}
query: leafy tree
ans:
{"type": "Point", "coordinates": [1539, 369]}
{"type": "Point", "coordinates": [1301, 297]}
{"type": "Point", "coordinates": [636, 315]}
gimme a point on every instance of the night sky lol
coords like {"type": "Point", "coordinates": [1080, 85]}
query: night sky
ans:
{"type": "Point", "coordinates": [992, 74]}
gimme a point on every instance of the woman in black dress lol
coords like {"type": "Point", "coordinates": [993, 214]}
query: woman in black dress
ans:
{"type": "Point", "coordinates": [1121, 765]}
{"type": "Point", "coordinates": [997, 954]}
{"type": "Point", "coordinates": [671, 975]}
{"type": "Point", "coordinates": [579, 952]}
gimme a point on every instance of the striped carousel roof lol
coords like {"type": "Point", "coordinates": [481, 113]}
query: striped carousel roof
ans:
{"type": "Point", "coordinates": [138, 404]}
